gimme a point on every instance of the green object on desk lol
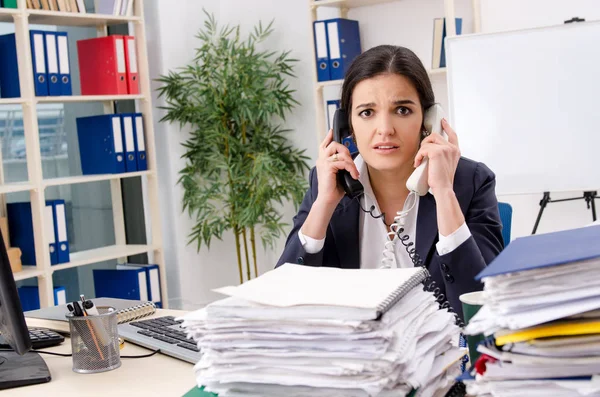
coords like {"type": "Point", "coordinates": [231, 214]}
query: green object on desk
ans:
{"type": "Point", "coordinates": [198, 392]}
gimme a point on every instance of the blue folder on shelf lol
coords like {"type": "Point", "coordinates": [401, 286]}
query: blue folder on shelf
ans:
{"type": "Point", "coordinates": [343, 44]}
{"type": "Point", "coordinates": [50, 229]}
{"type": "Point", "coordinates": [30, 297]}
{"type": "Point", "coordinates": [545, 250]}
{"type": "Point", "coordinates": [129, 142]}
{"type": "Point", "coordinates": [64, 69]}
{"type": "Point", "coordinates": [140, 142]}
{"type": "Point", "coordinates": [458, 32]}
{"type": "Point", "coordinates": [9, 73]}
{"type": "Point", "coordinates": [332, 106]}
{"type": "Point", "coordinates": [152, 280]}
{"type": "Point", "coordinates": [121, 283]}
{"type": "Point", "coordinates": [101, 144]}
{"type": "Point", "coordinates": [51, 56]}
{"type": "Point", "coordinates": [321, 51]}
{"type": "Point", "coordinates": [63, 251]}
{"type": "Point", "coordinates": [38, 57]}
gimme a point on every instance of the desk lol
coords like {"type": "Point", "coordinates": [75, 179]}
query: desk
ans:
{"type": "Point", "coordinates": [158, 375]}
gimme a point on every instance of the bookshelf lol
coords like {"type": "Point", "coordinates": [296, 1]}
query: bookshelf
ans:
{"type": "Point", "coordinates": [36, 184]}
{"type": "Point", "coordinates": [345, 6]}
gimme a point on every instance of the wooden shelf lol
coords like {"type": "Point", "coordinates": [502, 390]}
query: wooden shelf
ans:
{"type": "Point", "coordinates": [87, 98]}
{"type": "Point", "coordinates": [73, 180]}
{"type": "Point", "coordinates": [434, 72]}
{"type": "Point", "coordinates": [348, 3]}
{"type": "Point", "coordinates": [27, 272]}
{"type": "Point", "coordinates": [16, 187]}
{"type": "Point", "coordinates": [98, 255]}
{"type": "Point", "coordinates": [11, 101]}
{"type": "Point", "coordinates": [329, 83]}
{"type": "Point", "coordinates": [332, 83]}
{"type": "Point", "coordinates": [42, 17]}
{"type": "Point", "coordinates": [7, 14]}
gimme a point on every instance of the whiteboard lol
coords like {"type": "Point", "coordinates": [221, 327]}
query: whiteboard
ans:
{"type": "Point", "coordinates": [527, 104]}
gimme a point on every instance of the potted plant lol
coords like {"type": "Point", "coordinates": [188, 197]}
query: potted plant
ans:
{"type": "Point", "coordinates": [239, 164]}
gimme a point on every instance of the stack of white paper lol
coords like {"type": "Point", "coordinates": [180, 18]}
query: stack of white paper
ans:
{"type": "Point", "coordinates": [304, 331]}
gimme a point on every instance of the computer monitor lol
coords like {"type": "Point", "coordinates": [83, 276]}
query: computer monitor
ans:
{"type": "Point", "coordinates": [18, 367]}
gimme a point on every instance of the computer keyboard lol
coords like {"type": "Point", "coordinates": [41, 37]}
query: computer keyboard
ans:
{"type": "Point", "coordinates": [40, 338]}
{"type": "Point", "coordinates": [164, 333]}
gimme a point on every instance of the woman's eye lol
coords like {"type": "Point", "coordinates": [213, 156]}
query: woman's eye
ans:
{"type": "Point", "coordinates": [404, 110]}
{"type": "Point", "coordinates": [366, 113]}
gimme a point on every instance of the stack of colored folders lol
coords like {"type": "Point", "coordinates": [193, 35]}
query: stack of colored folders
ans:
{"type": "Point", "coordinates": [307, 331]}
{"type": "Point", "coordinates": [542, 318]}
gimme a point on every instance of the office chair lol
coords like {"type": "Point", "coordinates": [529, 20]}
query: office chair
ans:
{"type": "Point", "coordinates": [505, 210]}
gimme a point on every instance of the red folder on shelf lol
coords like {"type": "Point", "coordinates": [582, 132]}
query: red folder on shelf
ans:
{"type": "Point", "coordinates": [102, 65]}
{"type": "Point", "coordinates": [133, 85]}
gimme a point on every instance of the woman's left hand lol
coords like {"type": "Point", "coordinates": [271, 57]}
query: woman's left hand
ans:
{"type": "Point", "coordinates": [443, 158]}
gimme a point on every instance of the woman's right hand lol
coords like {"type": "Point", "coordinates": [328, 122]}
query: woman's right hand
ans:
{"type": "Point", "coordinates": [333, 157]}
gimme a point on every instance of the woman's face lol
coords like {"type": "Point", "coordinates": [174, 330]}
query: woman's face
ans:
{"type": "Point", "coordinates": [387, 120]}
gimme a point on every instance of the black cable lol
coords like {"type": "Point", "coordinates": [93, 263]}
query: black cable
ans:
{"type": "Point", "coordinates": [71, 355]}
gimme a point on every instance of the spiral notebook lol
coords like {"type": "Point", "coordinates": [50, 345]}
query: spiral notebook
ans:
{"type": "Point", "coordinates": [352, 294]}
{"type": "Point", "coordinates": [54, 317]}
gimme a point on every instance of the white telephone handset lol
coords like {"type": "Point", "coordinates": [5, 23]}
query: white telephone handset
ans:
{"type": "Point", "coordinates": [417, 182]}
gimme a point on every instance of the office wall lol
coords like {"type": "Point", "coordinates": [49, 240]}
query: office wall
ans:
{"type": "Point", "coordinates": [171, 28]}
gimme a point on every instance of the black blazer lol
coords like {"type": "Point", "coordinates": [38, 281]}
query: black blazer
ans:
{"type": "Point", "coordinates": [474, 185]}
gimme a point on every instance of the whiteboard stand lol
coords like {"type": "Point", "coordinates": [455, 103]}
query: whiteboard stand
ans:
{"type": "Point", "coordinates": [589, 197]}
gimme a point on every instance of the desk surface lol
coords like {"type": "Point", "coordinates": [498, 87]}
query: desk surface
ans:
{"type": "Point", "coordinates": [158, 375]}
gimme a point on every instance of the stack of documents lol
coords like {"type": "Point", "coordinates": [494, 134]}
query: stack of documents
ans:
{"type": "Point", "coordinates": [542, 296]}
{"type": "Point", "coordinates": [299, 331]}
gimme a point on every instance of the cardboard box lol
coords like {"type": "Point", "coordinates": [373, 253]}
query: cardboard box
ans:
{"type": "Point", "coordinates": [14, 257]}
{"type": "Point", "coordinates": [4, 229]}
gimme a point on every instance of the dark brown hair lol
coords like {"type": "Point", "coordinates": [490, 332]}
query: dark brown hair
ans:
{"type": "Point", "coordinates": [387, 59]}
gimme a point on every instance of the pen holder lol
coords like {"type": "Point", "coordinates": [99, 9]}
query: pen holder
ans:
{"type": "Point", "coordinates": [95, 341]}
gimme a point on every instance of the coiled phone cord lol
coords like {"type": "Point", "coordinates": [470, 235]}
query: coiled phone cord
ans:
{"type": "Point", "coordinates": [388, 260]}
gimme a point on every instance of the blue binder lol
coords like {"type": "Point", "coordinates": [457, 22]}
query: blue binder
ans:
{"type": "Point", "coordinates": [332, 106]}
{"type": "Point", "coordinates": [121, 283]}
{"type": "Point", "coordinates": [51, 57]}
{"type": "Point", "coordinates": [545, 250]}
{"type": "Point", "coordinates": [140, 142]}
{"type": "Point", "coordinates": [343, 43]}
{"type": "Point", "coordinates": [50, 230]}
{"type": "Point", "coordinates": [30, 297]}
{"type": "Point", "coordinates": [129, 142]}
{"type": "Point", "coordinates": [64, 68]}
{"type": "Point", "coordinates": [60, 230]}
{"type": "Point", "coordinates": [152, 280]}
{"type": "Point", "coordinates": [321, 51]}
{"type": "Point", "coordinates": [38, 57]}
{"type": "Point", "coordinates": [458, 32]}
{"type": "Point", "coordinates": [101, 144]}
{"type": "Point", "coordinates": [9, 73]}
{"type": "Point", "coordinates": [20, 224]}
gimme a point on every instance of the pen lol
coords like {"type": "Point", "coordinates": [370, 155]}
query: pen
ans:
{"type": "Point", "coordinates": [79, 312]}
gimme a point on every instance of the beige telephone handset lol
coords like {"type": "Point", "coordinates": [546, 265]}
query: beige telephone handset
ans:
{"type": "Point", "coordinates": [417, 182]}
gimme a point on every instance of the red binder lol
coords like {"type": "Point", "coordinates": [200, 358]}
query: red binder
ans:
{"type": "Point", "coordinates": [133, 85]}
{"type": "Point", "coordinates": [102, 68]}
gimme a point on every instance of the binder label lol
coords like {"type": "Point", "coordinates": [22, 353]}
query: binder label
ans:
{"type": "Point", "coordinates": [321, 40]}
{"type": "Point", "coordinates": [143, 285]}
{"type": "Point", "coordinates": [139, 129]}
{"type": "Point", "coordinates": [334, 41]}
{"type": "Point", "coordinates": [129, 143]}
{"type": "Point", "coordinates": [120, 56]}
{"type": "Point", "coordinates": [49, 222]}
{"type": "Point", "coordinates": [118, 137]}
{"type": "Point", "coordinates": [52, 55]}
{"type": "Point", "coordinates": [62, 223]}
{"type": "Point", "coordinates": [63, 54]}
{"type": "Point", "coordinates": [38, 45]}
{"type": "Point", "coordinates": [154, 285]}
{"type": "Point", "coordinates": [132, 56]}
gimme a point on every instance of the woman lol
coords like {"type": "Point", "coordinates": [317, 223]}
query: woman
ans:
{"type": "Point", "coordinates": [456, 227]}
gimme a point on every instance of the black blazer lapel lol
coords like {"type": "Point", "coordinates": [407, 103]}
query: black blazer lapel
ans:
{"type": "Point", "coordinates": [344, 226]}
{"type": "Point", "coordinates": [427, 230]}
